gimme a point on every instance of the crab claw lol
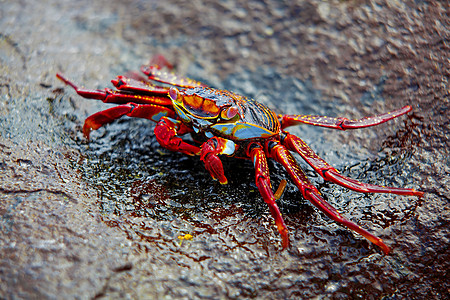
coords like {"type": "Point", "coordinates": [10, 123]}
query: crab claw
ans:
{"type": "Point", "coordinates": [209, 155]}
{"type": "Point", "coordinates": [213, 163]}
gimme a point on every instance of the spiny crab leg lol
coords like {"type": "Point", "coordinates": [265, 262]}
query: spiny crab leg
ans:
{"type": "Point", "coordinates": [329, 173]}
{"type": "Point", "coordinates": [342, 123]}
{"type": "Point", "coordinates": [137, 86]}
{"type": "Point", "coordinates": [154, 73]}
{"type": "Point", "coordinates": [111, 96]}
{"type": "Point", "coordinates": [310, 192]}
{"type": "Point", "coordinates": [262, 178]}
{"type": "Point", "coordinates": [146, 111]}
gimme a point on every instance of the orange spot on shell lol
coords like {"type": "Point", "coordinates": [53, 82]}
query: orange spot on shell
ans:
{"type": "Point", "coordinates": [210, 106]}
{"type": "Point", "coordinates": [193, 101]}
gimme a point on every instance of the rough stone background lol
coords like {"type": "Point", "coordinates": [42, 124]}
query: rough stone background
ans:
{"type": "Point", "coordinates": [102, 220]}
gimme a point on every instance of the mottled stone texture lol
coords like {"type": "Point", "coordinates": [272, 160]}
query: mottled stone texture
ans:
{"type": "Point", "coordinates": [81, 220]}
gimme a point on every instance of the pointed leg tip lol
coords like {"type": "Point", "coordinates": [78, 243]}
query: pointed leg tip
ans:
{"type": "Point", "coordinates": [379, 242]}
{"type": "Point", "coordinates": [385, 249]}
{"type": "Point", "coordinates": [66, 81]}
{"type": "Point", "coordinates": [284, 235]}
{"type": "Point", "coordinates": [419, 194]}
{"type": "Point", "coordinates": [285, 243]}
{"type": "Point", "coordinates": [87, 132]}
{"type": "Point", "coordinates": [62, 78]}
{"type": "Point", "coordinates": [222, 180]}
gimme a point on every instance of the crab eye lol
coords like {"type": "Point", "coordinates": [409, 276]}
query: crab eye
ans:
{"type": "Point", "coordinates": [229, 113]}
{"type": "Point", "coordinates": [173, 94]}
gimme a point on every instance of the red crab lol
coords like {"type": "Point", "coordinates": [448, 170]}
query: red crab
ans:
{"type": "Point", "coordinates": [225, 123]}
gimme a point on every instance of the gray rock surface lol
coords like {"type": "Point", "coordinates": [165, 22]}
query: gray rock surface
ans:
{"type": "Point", "coordinates": [102, 219]}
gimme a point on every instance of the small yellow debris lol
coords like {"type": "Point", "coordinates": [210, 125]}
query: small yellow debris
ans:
{"type": "Point", "coordinates": [186, 237]}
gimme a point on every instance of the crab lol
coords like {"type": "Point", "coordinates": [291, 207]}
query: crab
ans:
{"type": "Point", "coordinates": [223, 123]}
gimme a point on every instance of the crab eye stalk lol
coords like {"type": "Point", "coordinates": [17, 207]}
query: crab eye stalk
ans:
{"type": "Point", "coordinates": [229, 113]}
{"type": "Point", "coordinates": [173, 94]}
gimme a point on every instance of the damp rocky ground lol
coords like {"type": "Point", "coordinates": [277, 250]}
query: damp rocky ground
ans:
{"type": "Point", "coordinates": [108, 218]}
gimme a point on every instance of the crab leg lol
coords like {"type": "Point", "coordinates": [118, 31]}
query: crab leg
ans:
{"type": "Point", "coordinates": [262, 179]}
{"type": "Point", "coordinates": [310, 192]}
{"type": "Point", "coordinates": [342, 123]}
{"type": "Point", "coordinates": [154, 73]}
{"type": "Point", "coordinates": [138, 86]}
{"type": "Point", "coordinates": [329, 173]}
{"type": "Point", "coordinates": [111, 96]}
{"type": "Point", "coordinates": [146, 111]}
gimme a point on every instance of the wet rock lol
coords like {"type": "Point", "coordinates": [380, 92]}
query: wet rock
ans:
{"type": "Point", "coordinates": [103, 219]}
{"type": "Point", "coordinates": [53, 240]}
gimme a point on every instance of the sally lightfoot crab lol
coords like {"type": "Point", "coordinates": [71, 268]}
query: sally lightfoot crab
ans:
{"type": "Point", "coordinates": [225, 123]}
